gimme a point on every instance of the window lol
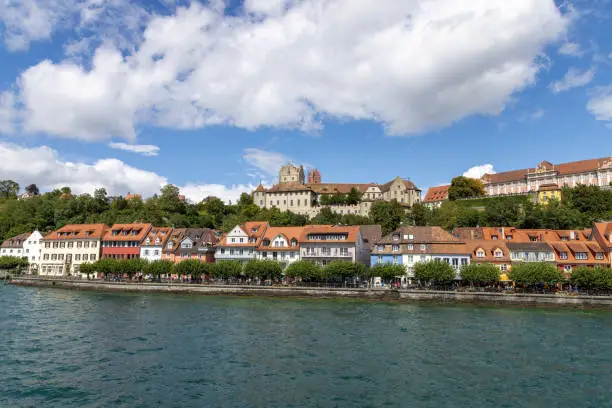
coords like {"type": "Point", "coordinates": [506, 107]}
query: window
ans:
{"type": "Point", "coordinates": [156, 252]}
{"type": "Point", "coordinates": [464, 261]}
{"type": "Point", "coordinates": [95, 244]}
{"type": "Point", "coordinates": [498, 253]}
{"type": "Point", "coordinates": [380, 259]}
{"type": "Point", "coordinates": [422, 247]}
{"type": "Point", "coordinates": [480, 253]}
{"type": "Point", "coordinates": [423, 258]}
{"type": "Point", "coordinates": [62, 245]}
{"type": "Point", "coordinates": [70, 244]}
{"type": "Point", "coordinates": [86, 244]}
{"type": "Point", "coordinates": [79, 244]}
{"type": "Point", "coordinates": [231, 251]}
{"type": "Point", "coordinates": [47, 245]}
{"type": "Point", "coordinates": [395, 248]}
{"type": "Point", "coordinates": [562, 255]}
{"type": "Point", "coordinates": [146, 252]}
{"type": "Point", "coordinates": [494, 237]}
{"type": "Point", "coordinates": [503, 267]}
{"type": "Point", "coordinates": [54, 257]}
{"type": "Point", "coordinates": [222, 251]}
{"type": "Point", "coordinates": [410, 247]}
{"type": "Point", "coordinates": [599, 255]}
{"type": "Point", "coordinates": [233, 239]}
{"type": "Point", "coordinates": [241, 240]}
{"type": "Point", "coordinates": [77, 257]}
{"type": "Point", "coordinates": [60, 257]}
{"type": "Point", "coordinates": [581, 255]}
{"type": "Point", "coordinates": [186, 245]}
{"type": "Point", "coordinates": [183, 255]}
{"type": "Point", "coordinates": [46, 257]}
{"type": "Point", "coordinates": [396, 237]}
{"type": "Point", "coordinates": [344, 252]}
{"type": "Point", "coordinates": [567, 268]}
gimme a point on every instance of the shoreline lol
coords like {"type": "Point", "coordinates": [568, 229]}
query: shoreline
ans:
{"type": "Point", "coordinates": [372, 294]}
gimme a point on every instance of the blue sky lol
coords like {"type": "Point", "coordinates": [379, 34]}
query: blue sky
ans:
{"type": "Point", "coordinates": [215, 96]}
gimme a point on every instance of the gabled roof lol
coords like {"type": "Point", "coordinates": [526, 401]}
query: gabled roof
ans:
{"type": "Point", "coordinates": [200, 238]}
{"type": "Point", "coordinates": [438, 193]}
{"type": "Point", "coordinates": [420, 235]}
{"type": "Point", "coordinates": [78, 231]}
{"type": "Point", "coordinates": [141, 231]}
{"type": "Point", "coordinates": [489, 248]}
{"type": "Point", "coordinates": [176, 236]}
{"type": "Point", "coordinates": [371, 234]}
{"type": "Point", "coordinates": [16, 241]}
{"type": "Point", "coordinates": [162, 234]}
{"type": "Point", "coordinates": [289, 233]}
{"type": "Point", "coordinates": [252, 229]}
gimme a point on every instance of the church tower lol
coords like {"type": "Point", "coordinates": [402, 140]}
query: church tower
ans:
{"type": "Point", "coordinates": [314, 176]}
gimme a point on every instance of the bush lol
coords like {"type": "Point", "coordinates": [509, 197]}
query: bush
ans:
{"type": "Point", "coordinates": [534, 273]}
{"type": "Point", "coordinates": [479, 274]}
{"type": "Point", "coordinates": [434, 273]}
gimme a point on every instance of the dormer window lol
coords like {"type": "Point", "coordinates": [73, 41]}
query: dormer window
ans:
{"type": "Point", "coordinates": [294, 242]}
{"type": "Point", "coordinates": [115, 233]}
{"type": "Point", "coordinates": [87, 233]}
{"type": "Point", "coordinates": [381, 247]}
{"type": "Point", "coordinates": [410, 247]}
{"type": "Point", "coordinates": [124, 233]}
{"type": "Point", "coordinates": [422, 247]}
{"type": "Point", "coordinates": [562, 255]}
{"type": "Point", "coordinates": [599, 256]}
{"type": "Point", "coordinates": [148, 241]}
{"type": "Point", "coordinates": [509, 237]}
{"type": "Point", "coordinates": [396, 237]}
{"type": "Point", "coordinates": [494, 237]}
{"type": "Point", "coordinates": [498, 253]}
{"type": "Point", "coordinates": [410, 236]}
{"type": "Point", "coordinates": [266, 242]}
{"type": "Point", "coordinates": [157, 240]}
{"type": "Point", "coordinates": [480, 253]}
{"type": "Point", "coordinates": [135, 232]}
{"type": "Point", "coordinates": [170, 244]}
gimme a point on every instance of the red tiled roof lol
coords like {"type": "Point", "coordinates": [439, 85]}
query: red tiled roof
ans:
{"type": "Point", "coordinates": [16, 241]}
{"type": "Point", "coordinates": [352, 232]}
{"type": "Point", "coordinates": [78, 231]}
{"type": "Point", "coordinates": [289, 233]}
{"type": "Point", "coordinates": [141, 231]}
{"type": "Point", "coordinates": [489, 248]}
{"type": "Point", "coordinates": [438, 193]}
{"type": "Point", "coordinates": [162, 233]}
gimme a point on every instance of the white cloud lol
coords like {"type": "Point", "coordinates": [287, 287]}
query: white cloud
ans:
{"type": "Point", "coordinates": [479, 171]}
{"type": "Point", "coordinates": [600, 104]}
{"type": "Point", "coordinates": [44, 167]}
{"type": "Point", "coordinates": [570, 49]}
{"type": "Point", "coordinates": [268, 162]}
{"type": "Point", "coordinates": [8, 113]}
{"type": "Point", "coordinates": [573, 79]}
{"type": "Point", "coordinates": [145, 150]}
{"type": "Point", "coordinates": [411, 66]}
{"type": "Point", "coordinates": [537, 114]}
{"type": "Point", "coordinates": [115, 21]}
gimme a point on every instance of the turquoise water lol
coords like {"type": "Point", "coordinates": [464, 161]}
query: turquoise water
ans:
{"type": "Point", "coordinates": [62, 348]}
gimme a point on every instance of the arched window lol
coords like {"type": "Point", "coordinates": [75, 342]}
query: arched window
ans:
{"type": "Point", "coordinates": [480, 253]}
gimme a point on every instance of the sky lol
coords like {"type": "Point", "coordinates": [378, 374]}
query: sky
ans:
{"type": "Point", "coordinates": [214, 96]}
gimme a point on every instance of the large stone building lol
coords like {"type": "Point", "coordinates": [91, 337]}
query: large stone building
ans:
{"type": "Point", "coordinates": [293, 194]}
{"type": "Point", "coordinates": [597, 172]}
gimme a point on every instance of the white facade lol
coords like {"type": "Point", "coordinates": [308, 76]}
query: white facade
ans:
{"type": "Point", "coordinates": [32, 249]}
{"type": "Point", "coordinates": [151, 252]}
{"type": "Point", "coordinates": [280, 250]}
{"type": "Point", "coordinates": [63, 257]}
{"type": "Point", "coordinates": [237, 247]}
{"type": "Point", "coordinates": [18, 252]}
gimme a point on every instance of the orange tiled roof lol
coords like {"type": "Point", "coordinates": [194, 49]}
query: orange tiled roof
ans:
{"type": "Point", "coordinates": [569, 249]}
{"type": "Point", "coordinates": [16, 241]}
{"type": "Point", "coordinates": [489, 248]}
{"type": "Point", "coordinates": [176, 236]}
{"type": "Point", "coordinates": [352, 232]}
{"type": "Point", "coordinates": [289, 233]}
{"type": "Point", "coordinates": [78, 231]}
{"type": "Point", "coordinates": [253, 229]}
{"type": "Point", "coordinates": [162, 233]}
{"type": "Point", "coordinates": [140, 231]}
{"type": "Point", "coordinates": [438, 193]}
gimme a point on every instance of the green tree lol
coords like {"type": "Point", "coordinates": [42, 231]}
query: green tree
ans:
{"type": "Point", "coordinates": [189, 267]}
{"type": "Point", "coordinates": [598, 278]}
{"type": "Point", "coordinates": [263, 270]}
{"type": "Point", "coordinates": [353, 197]}
{"type": "Point", "coordinates": [479, 274]}
{"type": "Point", "coordinates": [419, 215]}
{"type": "Point", "coordinates": [535, 273]}
{"type": "Point", "coordinates": [227, 270]}
{"type": "Point", "coordinates": [342, 270]}
{"type": "Point", "coordinates": [8, 189]}
{"type": "Point", "coordinates": [245, 200]}
{"type": "Point", "coordinates": [389, 214]}
{"type": "Point", "coordinates": [388, 271]}
{"type": "Point", "coordinates": [304, 270]}
{"type": "Point", "coordinates": [169, 200]}
{"type": "Point", "coordinates": [434, 273]}
{"type": "Point", "coordinates": [158, 268]}
{"type": "Point", "coordinates": [87, 269]}
{"type": "Point", "coordinates": [465, 187]}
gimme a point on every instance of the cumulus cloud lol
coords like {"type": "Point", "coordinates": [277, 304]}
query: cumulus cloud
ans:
{"type": "Point", "coordinates": [479, 171]}
{"type": "Point", "coordinates": [573, 79]}
{"type": "Point", "coordinates": [8, 113]}
{"type": "Point", "coordinates": [600, 104]}
{"type": "Point", "coordinates": [46, 169]}
{"type": "Point", "coordinates": [411, 66]}
{"type": "Point", "coordinates": [145, 150]}
{"type": "Point", "coordinates": [570, 49]}
{"type": "Point", "coordinates": [268, 162]}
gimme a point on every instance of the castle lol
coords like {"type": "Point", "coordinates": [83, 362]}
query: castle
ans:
{"type": "Point", "coordinates": [293, 193]}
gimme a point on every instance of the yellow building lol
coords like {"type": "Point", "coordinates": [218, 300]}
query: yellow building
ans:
{"type": "Point", "coordinates": [547, 193]}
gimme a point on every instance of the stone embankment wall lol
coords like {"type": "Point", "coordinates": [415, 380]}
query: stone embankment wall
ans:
{"type": "Point", "coordinates": [372, 294]}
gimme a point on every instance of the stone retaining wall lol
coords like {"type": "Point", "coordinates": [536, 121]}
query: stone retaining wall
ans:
{"type": "Point", "coordinates": [374, 294]}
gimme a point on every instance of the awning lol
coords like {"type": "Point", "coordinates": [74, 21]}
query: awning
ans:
{"type": "Point", "coordinates": [504, 277]}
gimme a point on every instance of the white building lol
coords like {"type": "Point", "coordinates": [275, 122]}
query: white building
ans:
{"type": "Point", "coordinates": [32, 249]}
{"type": "Point", "coordinates": [153, 245]}
{"type": "Point", "coordinates": [280, 244]}
{"type": "Point", "coordinates": [14, 246]}
{"type": "Point", "coordinates": [241, 243]}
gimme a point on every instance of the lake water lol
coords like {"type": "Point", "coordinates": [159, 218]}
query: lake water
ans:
{"type": "Point", "coordinates": [61, 348]}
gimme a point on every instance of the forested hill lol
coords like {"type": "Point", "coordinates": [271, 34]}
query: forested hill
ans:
{"type": "Point", "coordinates": [580, 207]}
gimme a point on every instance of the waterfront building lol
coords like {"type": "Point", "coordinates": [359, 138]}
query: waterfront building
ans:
{"type": "Point", "coordinates": [490, 252]}
{"type": "Point", "coordinates": [241, 243]}
{"type": "Point", "coordinates": [195, 243]}
{"type": "Point", "coordinates": [172, 244]}
{"type": "Point", "coordinates": [14, 246]}
{"type": "Point", "coordinates": [436, 196]}
{"type": "Point", "coordinates": [597, 172]}
{"type": "Point", "coordinates": [602, 234]}
{"type": "Point", "coordinates": [293, 194]}
{"type": "Point", "coordinates": [64, 250]}
{"type": "Point", "coordinates": [32, 250]}
{"type": "Point", "coordinates": [323, 244]}
{"type": "Point", "coordinates": [123, 241]}
{"type": "Point", "coordinates": [530, 252]}
{"type": "Point", "coordinates": [280, 244]}
{"type": "Point", "coordinates": [410, 245]}
{"type": "Point", "coordinates": [153, 245]}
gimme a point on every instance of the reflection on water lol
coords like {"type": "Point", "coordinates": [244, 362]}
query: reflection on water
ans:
{"type": "Point", "coordinates": [62, 348]}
